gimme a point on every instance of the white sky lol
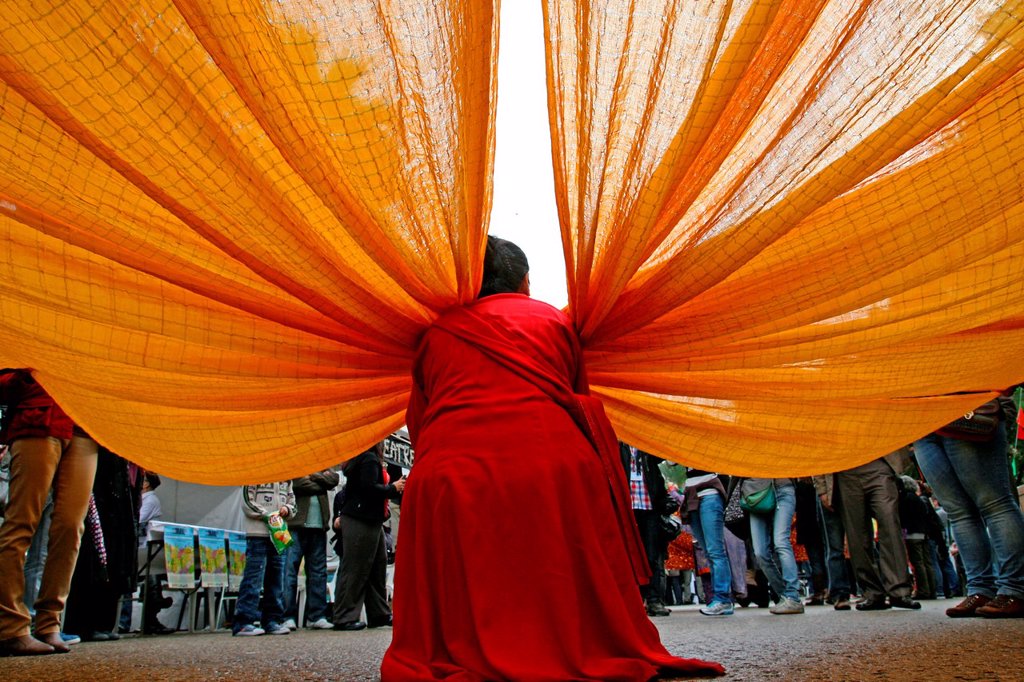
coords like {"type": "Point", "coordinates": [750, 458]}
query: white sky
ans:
{"type": "Point", "coordinates": [524, 192]}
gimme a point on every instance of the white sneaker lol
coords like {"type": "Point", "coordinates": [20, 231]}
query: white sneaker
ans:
{"type": "Point", "coordinates": [249, 631]}
{"type": "Point", "coordinates": [787, 606]}
{"type": "Point", "coordinates": [322, 624]}
{"type": "Point", "coordinates": [290, 624]}
{"type": "Point", "coordinates": [277, 629]}
{"type": "Point", "coordinates": [717, 608]}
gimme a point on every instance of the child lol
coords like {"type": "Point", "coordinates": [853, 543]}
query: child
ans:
{"type": "Point", "coordinates": [264, 566]}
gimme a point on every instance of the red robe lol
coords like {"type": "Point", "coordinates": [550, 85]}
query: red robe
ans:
{"type": "Point", "coordinates": [518, 554]}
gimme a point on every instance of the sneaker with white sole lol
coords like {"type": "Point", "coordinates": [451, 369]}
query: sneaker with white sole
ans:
{"type": "Point", "coordinates": [290, 624]}
{"type": "Point", "coordinates": [278, 629]}
{"type": "Point", "coordinates": [717, 608]}
{"type": "Point", "coordinates": [321, 624]}
{"type": "Point", "coordinates": [249, 631]}
{"type": "Point", "coordinates": [787, 606]}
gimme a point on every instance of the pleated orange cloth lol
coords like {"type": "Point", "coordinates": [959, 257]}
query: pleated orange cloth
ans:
{"type": "Point", "coordinates": [515, 560]}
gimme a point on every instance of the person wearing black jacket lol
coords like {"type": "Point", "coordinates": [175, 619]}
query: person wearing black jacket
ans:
{"type": "Point", "coordinates": [362, 576]}
{"type": "Point", "coordinates": [650, 500]}
{"type": "Point", "coordinates": [914, 518]}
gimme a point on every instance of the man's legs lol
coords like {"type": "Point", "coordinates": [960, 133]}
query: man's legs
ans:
{"type": "Point", "coordinates": [292, 559]}
{"type": "Point", "coordinates": [653, 593]}
{"type": "Point", "coordinates": [273, 589]}
{"type": "Point", "coordinates": [858, 532]}
{"type": "Point", "coordinates": [72, 486]}
{"type": "Point", "coordinates": [920, 554]}
{"type": "Point", "coordinates": [838, 577]}
{"type": "Point", "coordinates": [884, 497]}
{"type": "Point", "coordinates": [247, 608]}
{"type": "Point", "coordinates": [314, 547]}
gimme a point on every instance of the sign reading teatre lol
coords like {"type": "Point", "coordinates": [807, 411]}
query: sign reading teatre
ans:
{"type": "Point", "coordinates": [398, 450]}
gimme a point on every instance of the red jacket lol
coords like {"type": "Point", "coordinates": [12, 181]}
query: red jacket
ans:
{"type": "Point", "coordinates": [31, 412]}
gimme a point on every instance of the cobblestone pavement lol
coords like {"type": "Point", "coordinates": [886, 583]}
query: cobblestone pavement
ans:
{"type": "Point", "coordinates": [822, 644]}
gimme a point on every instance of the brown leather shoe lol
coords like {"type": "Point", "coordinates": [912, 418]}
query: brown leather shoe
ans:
{"type": "Point", "coordinates": [26, 645]}
{"type": "Point", "coordinates": [968, 607]}
{"type": "Point", "coordinates": [1003, 606]}
{"type": "Point", "coordinates": [54, 639]}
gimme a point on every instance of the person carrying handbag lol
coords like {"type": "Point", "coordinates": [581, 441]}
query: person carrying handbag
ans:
{"type": "Point", "coordinates": [965, 464]}
{"type": "Point", "coordinates": [770, 530]}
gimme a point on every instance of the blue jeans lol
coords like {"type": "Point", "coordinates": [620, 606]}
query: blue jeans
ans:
{"type": "Point", "coordinates": [35, 560]}
{"type": "Point", "coordinates": [768, 531]}
{"type": "Point", "coordinates": [946, 580]}
{"type": "Point", "coordinates": [264, 568]}
{"type": "Point", "coordinates": [834, 532]}
{"type": "Point", "coordinates": [709, 532]}
{"type": "Point", "coordinates": [972, 483]}
{"type": "Point", "coordinates": [312, 544]}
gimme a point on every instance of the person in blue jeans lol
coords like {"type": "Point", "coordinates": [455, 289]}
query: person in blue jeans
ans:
{"type": "Point", "coordinates": [264, 566]}
{"type": "Point", "coordinates": [705, 502]}
{"type": "Point", "coordinates": [971, 481]}
{"type": "Point", "coordinates": [309, 530]}
{"type": "Point", "coordinates": [834, 533]}
{"type": "Point", "coordinates": [770, 535]}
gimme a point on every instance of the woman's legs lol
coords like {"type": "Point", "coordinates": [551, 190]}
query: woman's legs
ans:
{"type": "Point", "coordinates": [782, 527]}
{"type": "Point", "coordinates": [965, 519]}
{"type": "Point", "coordinates": [710, 533]}
{"type": "Point", "coordinates": [985, 518]}
{"type": "Point", "coordinates": [760, 530]}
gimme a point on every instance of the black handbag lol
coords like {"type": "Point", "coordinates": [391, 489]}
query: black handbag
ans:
{"type": "Point", "coordinates": [670, 526]}
{"type": "Point", "coordinates": [978, 425]}
{"type": "Point", "coordinates": [733, 511]}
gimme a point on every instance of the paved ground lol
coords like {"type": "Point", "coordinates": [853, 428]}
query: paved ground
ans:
{"type": "Point", "coordinates": [753, 645]}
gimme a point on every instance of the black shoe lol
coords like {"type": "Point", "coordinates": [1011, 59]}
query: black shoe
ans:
{"type": "Point", "coordinates": [158, 629]}
{"type": "Point", "coordinates": [904, 603]}
{"type": "Point", "coordinates": [656, 608]}
{"type": "Point", "coordinates": [351, 625]}
{"type": "Point", "coordinates": [876, 604]}
{"type": "Point", "coordinates": [387, 622]}
{"type": "Point", "coordinates": [816, 599]}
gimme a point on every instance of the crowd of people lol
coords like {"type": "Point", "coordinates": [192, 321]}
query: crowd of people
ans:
{"type": "Point", "coordinates": [938, 518]}
{"type": "Point", "coordinates": [74, 525]}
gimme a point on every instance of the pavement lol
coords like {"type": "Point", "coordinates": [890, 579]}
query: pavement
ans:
{"type": "Point", "coordinates": [821, 644]}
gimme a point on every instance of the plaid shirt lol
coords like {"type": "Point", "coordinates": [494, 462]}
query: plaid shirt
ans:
{"type": "Point", "coordinates": [638, 493]}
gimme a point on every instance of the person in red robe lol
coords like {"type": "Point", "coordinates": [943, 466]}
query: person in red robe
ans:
{"type": "Point", "coordinates": [519, 557]}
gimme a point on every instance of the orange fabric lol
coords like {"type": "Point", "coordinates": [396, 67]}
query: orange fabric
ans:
{"type": "Point", "coordinates": [788, 222]}
{"type": "Point", "coordinates": [224, 225]}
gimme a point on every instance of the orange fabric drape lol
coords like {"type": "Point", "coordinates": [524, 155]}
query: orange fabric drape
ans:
{"type": "Point", "coordinates": [223, 225]}
{"type": "Point", "coordinates": [789, 223]}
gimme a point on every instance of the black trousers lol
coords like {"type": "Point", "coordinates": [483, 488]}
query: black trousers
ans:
{"type": "Point", "coordinates": [870, 491]}
{"type": "Point", "coordinates": [647, 521]}
{"type": "Point", "coordinates": [362, 577]}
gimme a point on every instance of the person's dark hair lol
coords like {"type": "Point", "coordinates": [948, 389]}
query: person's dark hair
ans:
{"type": "Point", "coordinates": [153, 480]}
{"type": "Point", "coordinates": [505, 267]}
